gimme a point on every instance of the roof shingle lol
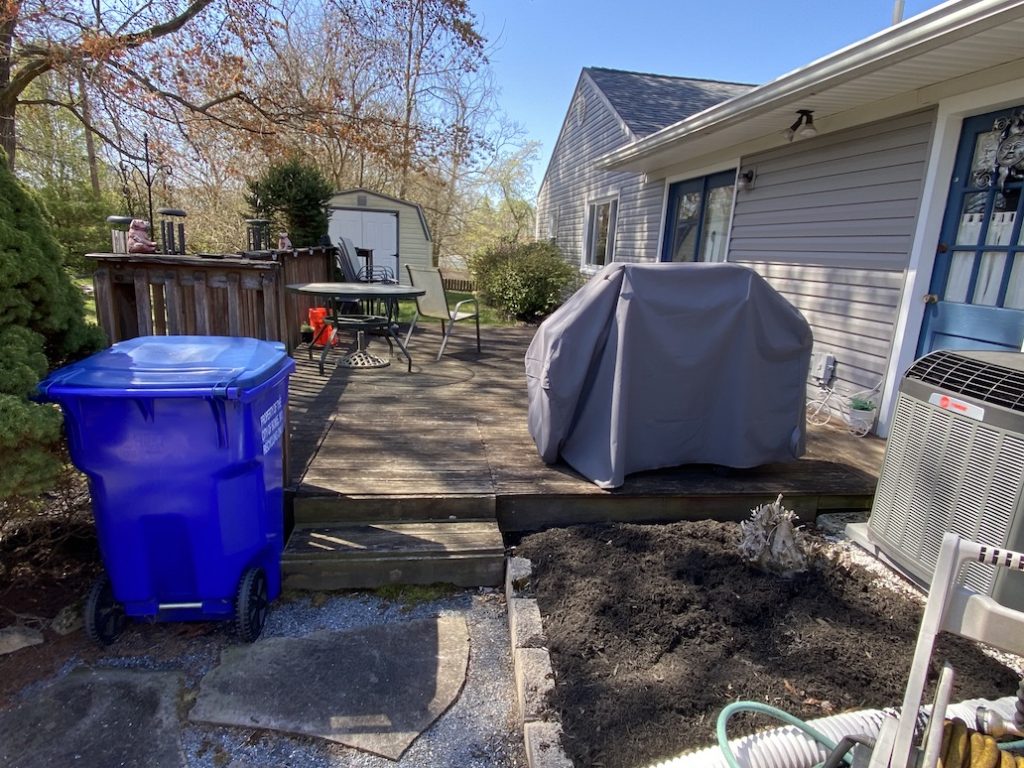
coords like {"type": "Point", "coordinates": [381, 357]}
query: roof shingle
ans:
{"type": "Point", "coordinates": [647, 103]}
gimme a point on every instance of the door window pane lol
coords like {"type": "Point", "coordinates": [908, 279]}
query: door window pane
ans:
{"type": "Point", "coordinates": [959, 278]}
{"type": "Point", "coordinates": [990, 277]}
{"type": "Point", "coordinates": [970, 219]}
{"type": "Point", "coordinates": [984, 158]}
{"type": "Point", "coordinates": [1015, 290]}
{"type": "Point", "coordinates": [1004, 213]}
{"type": "Point", "coordinates": [685, 238]}
{"type": "Point", "coordinates": [714, 233]}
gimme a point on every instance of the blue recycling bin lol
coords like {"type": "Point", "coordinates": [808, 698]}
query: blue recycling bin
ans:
{"type": "Point", "coordinates": [181, 438]}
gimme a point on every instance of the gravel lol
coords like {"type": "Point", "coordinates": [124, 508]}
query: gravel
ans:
{"type": "Point", "coordinates": [479, 731]}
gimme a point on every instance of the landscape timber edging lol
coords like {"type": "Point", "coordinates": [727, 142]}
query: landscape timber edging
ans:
{"type": "Point", "coordinates": [531, 666]}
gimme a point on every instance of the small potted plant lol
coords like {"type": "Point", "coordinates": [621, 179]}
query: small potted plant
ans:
{"type": "Point", "coordinates": [861, 415]}
{"type": "Point", "coordinates": [306, 332]}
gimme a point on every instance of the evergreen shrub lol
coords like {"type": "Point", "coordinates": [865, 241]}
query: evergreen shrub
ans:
{"type": "Point", "coordinates": [293, 196]}
{"type": "Point", "coordinates": [524, 280]}
{"type": "Point", "coordinates": [42, 326]}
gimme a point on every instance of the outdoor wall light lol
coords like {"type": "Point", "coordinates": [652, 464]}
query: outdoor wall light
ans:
{"type": "Point", "coordinates": [745, 180]}
{"type": "Point", "coordinates": [803, 128]}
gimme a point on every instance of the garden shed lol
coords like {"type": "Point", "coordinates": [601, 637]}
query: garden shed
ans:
{"type": "Point", "coordinates": [395, 230]}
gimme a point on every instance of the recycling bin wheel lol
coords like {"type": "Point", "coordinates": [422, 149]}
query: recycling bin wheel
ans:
{"type": "Point", "coordinates": [105, 618]}
{"type": "Point", "coordinates": [251, 604]}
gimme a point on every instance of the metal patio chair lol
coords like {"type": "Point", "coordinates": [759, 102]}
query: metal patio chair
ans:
{"type": "Point", "coordinates": [354, 273]}
{"type": "Point", "coordinates": [434, 305]}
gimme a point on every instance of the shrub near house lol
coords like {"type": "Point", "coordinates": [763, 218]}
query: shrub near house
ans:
{"type": "Point", "coordinates": [525, 280]}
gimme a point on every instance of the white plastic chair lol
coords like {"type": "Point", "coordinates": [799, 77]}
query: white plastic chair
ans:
{"type": "Point", "coordinates": [434, 305]}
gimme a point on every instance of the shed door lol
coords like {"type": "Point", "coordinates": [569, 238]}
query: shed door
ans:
{"type": "Point", "coordinates": [976, 299]}
{"type": "Point", "coordinates": [377, 230]}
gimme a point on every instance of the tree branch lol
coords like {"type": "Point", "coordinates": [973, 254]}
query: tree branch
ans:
{"type": "Point", "coordinates": [135, 39]}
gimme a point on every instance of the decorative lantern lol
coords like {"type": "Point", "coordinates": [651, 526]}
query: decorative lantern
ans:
{"type": "Point", "coordinates": [257, 234]}
{"type": "Point", "coordinates": [172, 230]}
{"type": "Point", "coordinates": [119, 233]}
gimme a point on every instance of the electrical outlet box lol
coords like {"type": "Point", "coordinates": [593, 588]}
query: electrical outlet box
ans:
{"type": "Point", "coordinates": [823, 367]}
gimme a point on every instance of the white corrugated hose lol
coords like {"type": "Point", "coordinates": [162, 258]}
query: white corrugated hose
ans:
{"type": "Point", "coordinates": [787, 747]}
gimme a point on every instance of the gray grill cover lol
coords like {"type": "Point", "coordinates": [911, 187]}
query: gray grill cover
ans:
{"type": "Point", "coordinates": [656, 365]}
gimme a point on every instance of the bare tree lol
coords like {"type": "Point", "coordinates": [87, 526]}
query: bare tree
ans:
{"type": "Point", "coordinates": [155, 57]}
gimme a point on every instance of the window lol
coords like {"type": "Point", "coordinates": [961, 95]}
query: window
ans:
{"type": "Point", "coordinates": [600, 243]}
{"type": "Point", "coordinates": [697, 218]}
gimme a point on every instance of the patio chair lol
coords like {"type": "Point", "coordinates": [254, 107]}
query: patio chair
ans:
{"type": "Point", "coordinates": [354, 273]}
{"type": "Point", "coordinates": [434, 305]}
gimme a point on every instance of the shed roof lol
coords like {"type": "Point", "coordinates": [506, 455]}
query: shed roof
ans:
{"type": "Point", "coordinates": [647, 102]}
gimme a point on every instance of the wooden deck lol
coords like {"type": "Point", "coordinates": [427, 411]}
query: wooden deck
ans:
{"type": "Point", "coordinates": [449, 441]}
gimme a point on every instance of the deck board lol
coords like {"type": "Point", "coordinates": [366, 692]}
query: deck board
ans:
{"type": "Point", "coordinates": [374, 539]}
{"type": "Point", "coordinates": [457, 428]}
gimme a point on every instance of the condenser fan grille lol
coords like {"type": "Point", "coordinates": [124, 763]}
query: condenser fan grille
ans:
{"type": "Point", "coordinates": [980, 380]}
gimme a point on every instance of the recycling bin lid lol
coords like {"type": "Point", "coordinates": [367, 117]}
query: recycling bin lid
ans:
{"type": "Point", "coordinates": [171, 366]}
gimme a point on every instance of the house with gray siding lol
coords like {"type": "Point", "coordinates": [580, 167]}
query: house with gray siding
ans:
{"type": "Point", "coordinates": [877, 188]}
{"type": "Point", "coordinates": [596, 215]}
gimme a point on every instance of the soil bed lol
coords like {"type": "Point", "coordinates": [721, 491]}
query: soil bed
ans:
{"type": "Point", "coordinates": [653, 629]}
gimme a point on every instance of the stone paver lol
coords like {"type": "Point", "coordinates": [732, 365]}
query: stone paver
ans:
{"type": "Point", "coordinates": [525, 624]}
{"type": "Point", "coordinates": [375, 689]}
{"type": "Point", "coordinates": [544, 746]}
{"type": "Point", "coordinates": [96, 719]}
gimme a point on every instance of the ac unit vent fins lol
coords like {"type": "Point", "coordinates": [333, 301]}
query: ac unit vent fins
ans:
{"type": "Point", "coordinates": [982, 381]}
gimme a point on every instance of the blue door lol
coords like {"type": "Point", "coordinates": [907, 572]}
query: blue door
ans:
{"type": "Point", "coordinates": [976, 298]}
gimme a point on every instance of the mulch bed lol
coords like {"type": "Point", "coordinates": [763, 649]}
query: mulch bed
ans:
{"type": "Point", "coordinates": [48, 558]}
{"type": "Point", "coordinates": [653, 629]}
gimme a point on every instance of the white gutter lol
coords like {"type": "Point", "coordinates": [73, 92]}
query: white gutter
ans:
{"type": "Point", "coordinates": [927, 31]}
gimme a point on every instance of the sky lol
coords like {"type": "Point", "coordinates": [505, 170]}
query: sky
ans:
{"type": "Point", "coordinates": [540, 46]}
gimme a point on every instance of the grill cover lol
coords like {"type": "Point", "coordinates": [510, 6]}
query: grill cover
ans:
{"type": "Point", "coordinates": [656, 365]}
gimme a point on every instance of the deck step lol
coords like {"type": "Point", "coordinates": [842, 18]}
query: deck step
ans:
{"type": "Point", "coordinates": [314, 509]}
{"type": "Point", "coordinates": [467, 553]}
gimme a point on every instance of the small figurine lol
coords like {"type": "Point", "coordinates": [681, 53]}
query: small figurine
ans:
{"type": "Point", "coordinates": [283, 242]}
{"type": "Point", "coordinates": [138, 237]}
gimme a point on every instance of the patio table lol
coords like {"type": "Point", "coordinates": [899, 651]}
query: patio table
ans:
{"type": "Point", "coordinates": [388, 296]}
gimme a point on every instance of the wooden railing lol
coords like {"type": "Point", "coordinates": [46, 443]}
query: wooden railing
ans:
{"type": "Point", "coordinates": [157, 294]}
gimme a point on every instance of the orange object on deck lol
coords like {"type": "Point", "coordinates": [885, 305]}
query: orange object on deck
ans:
{"type": "Point", "coordinates": [318, 322]}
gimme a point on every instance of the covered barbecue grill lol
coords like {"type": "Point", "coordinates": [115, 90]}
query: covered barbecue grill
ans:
{"type": "Point", "coordinates": [657, 365]}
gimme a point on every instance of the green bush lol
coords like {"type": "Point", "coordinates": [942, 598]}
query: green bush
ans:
{"type": "Point", "coordinates": [524, 280]}
{"type": "Point", "coordinates": [294, 197]}
{"type": "Point", "coordinates": [79, 223]}
{"type": "Point", "coordinates": [41, 327]}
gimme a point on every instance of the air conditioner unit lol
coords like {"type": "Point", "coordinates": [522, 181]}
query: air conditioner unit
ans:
{"type": "Point", "coordinates": [954, 462]}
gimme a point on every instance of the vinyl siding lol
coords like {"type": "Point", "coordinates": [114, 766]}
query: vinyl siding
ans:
{"type": "Point", "coordinates": [413, 245]}
{"type": "Point", "coordinates": [571, 181]}
{"type": "Point", "coordinates": [829, 224]}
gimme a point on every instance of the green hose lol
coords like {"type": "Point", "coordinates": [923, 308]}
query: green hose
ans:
{"type": "Point", "coordinates": [764, 709]}
{"type": "Point", "coordinates": [1011, 744]}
